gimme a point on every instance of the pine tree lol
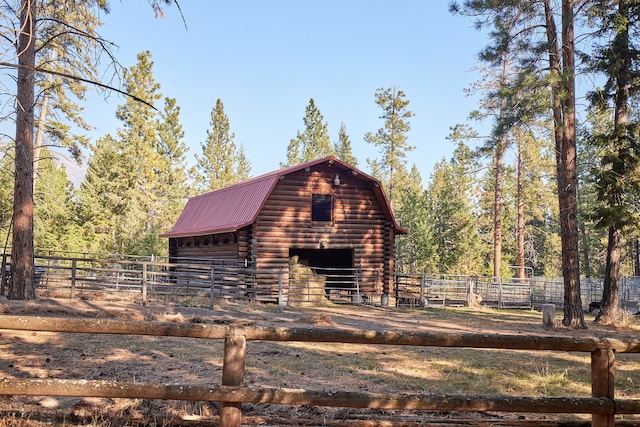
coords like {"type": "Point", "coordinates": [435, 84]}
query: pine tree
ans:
{"type": "Point", "coordinates": [122, 190]}
{"type": "Point", "coordinates": [59, 116]}
{"type": "Point", "coordinates": [415, 251]}
{"type": "Point", "coordinates": [617, 179]}
{"type": "Point", "coordinates": [57, 26]}
{"type": "Point", "coordinates": [391, 139]}
{"type": "Point", "coordinates": [22, 285]}
{"type": "Point", "coordinates": [56, 227]}
{"type": "Point", "coordinates": [343, 147]}
{"type": "Point", "coordinates": [173, 188]}
{"type": "Point", "coordinates": [221, 163]}
{"type": "Point", "coordinates": [592, 238]}
{"type": "Point", "coordinates": [450, 201]}
{"type": "Point", "coordinates": [536, 39]}
{"type": "Point", "coordinates": [243, 165]}
{"type": "Point", "coordinates": [539, 240]}
{"type": "Point", "coordinates": [311, 144]}
{"type": "Point", "coordinates": [6, 201]}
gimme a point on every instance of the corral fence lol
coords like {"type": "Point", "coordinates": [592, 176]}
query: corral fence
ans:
{"type": "Point", "coordinates": [419, 290]}
{"type": "Point", "coordinates": [184, 279]}
{"type": "Point", "coordinates": [602, 405]}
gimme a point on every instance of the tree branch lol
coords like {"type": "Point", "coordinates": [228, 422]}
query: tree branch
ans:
{"type": "Point", "coordinates": [72, 77]}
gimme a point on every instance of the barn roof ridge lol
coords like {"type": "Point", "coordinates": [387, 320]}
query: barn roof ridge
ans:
{"type": "Point", "coordinates": [238, 205]}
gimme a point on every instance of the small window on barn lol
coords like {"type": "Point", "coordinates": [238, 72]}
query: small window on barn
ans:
{"type": "Point", "coordinates": [321, 205]}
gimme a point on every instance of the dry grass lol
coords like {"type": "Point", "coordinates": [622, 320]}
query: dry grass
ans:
{"type": "Point", "coordinates": [312, 366]}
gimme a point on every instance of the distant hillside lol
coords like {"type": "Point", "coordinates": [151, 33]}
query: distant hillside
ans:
{"type": "Point", "coordinates": [75, 171]}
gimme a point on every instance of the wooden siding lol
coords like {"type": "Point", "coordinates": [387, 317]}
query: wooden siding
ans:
{"type": "Point", "coordinates": [358, 222]}
{"type": "Point", "coordinates": [360, 234]}
{"type": "Point", "coordinates": [219, 246]}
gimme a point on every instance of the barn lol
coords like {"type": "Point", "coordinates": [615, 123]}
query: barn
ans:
{"type": "Point", "coordinates": [324, 214]}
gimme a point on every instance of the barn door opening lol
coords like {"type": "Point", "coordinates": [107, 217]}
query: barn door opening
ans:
{"type": "Point", "coordinates": [336, 265]}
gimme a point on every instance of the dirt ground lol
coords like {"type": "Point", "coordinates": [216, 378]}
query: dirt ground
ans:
{"type": "Point", "coordinates": [183, 361]}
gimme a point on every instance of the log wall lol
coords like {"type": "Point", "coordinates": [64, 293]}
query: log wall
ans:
{"type": "Point", "coordinates": [219, 246]}
{"type": "Point", "coordinates": [359, 222]}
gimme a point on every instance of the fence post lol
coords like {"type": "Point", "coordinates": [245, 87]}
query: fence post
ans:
{"type": "Point", "coordinates": [549, 316]}
{"type": "Point", "coordinates": [212, 298]}
{"type": "Point", "coordinates": [73, 277]}
{"type": "Point", "coordinates": [280, 289]}
{"type": "Point", "coordinates": [423, 282]}
{"type": "Point", "coordinates": [602, 383]}
{"type": "Point", "coordinates": [358, 298]}
{"type": "Point", "coordinates": [144, 283]}
{"type": "Point", "coordinates": [235, 349]}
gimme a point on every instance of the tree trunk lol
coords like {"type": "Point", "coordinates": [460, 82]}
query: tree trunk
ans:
{"type": "Point", "coordinates": [497, 211]}
{"type": "Point", "coordinates": [609, 311]}
{"type": "Point", "coordinates": [520, 215]}
{"type": "Point", "coordinates": [636, 257]}
{"type": "Point", "coordinates": [585, 251]}
{"type": "Point", "coordinates": [44, 110]}
{"type": "Point", "coordinates": [563, 98]}
{"type": "Point", "coordinates": [22, 284]}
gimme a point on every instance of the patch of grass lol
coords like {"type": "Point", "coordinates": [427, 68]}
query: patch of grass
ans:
{"type": "Point", "coordinates": [321, 366]}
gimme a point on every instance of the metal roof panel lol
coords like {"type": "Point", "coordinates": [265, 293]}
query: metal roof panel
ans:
{"type": "Point", "coordinates": [238, 205]}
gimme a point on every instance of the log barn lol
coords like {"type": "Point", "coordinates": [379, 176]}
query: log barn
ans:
{"type": "Point", "coordinates": [324, 213]}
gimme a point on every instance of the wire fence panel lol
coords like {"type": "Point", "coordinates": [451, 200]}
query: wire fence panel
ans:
{"type": "Point", "coordinates": [183, 279]}
{"type": "Point", "coordinates": [529, 293]}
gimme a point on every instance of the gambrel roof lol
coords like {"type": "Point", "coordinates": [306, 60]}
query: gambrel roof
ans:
{"type": "Point", "coordinates": [236, 206]}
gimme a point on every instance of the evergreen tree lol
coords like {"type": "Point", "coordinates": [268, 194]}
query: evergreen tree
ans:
{"type": "Point", "coordinates": [617, 179]}
{"type": "Point", "coordinates": [311, 144]}
{"type": "Point", "coordinates": [592, 238]}
{"type": "Point", "coordinates": [22, 285]}
{"type": "Point", "coordinates": [58, 113]}
{"type": "Point", "coordinates": [121, 192]}
{"type": "Point", "coordinates": [53, 37]}
{"type": "Point", "coordinates": [173, 188]}
{"type": "Point", "coordinates": [450, 198]}
{"type": "Point", "coordinates": [415, 251]}
{"type": "Point", "coordinates": [221, 163]}
{"type": "Point", "coordinates": [6, 200]}
{"type": "Point", "coordinates": [243, 165]}
{"type": "Point", "coordinates": [538, 40]}
{"type": "Point", "coordinates": [56, 227]}
{"type": "Point", "coordinates": [104, 196]}
{"type": "Point", "coordinates": [343, 147]}
{"type": "Point", "coordinates": [537, 198]}
{"type": "Point", "coordinates": [391, 139]}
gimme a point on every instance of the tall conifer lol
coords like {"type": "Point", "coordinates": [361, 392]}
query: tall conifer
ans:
{"type": "Point", "coordinates": [222, 163]}
{"type": "Point", "coordinates": [392, 139]}
{"type": "Point", "coordinates": [314, 142]}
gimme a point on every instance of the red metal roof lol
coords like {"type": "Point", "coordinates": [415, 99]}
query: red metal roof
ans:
{"type": "Point", "coordinates": [236, 206]}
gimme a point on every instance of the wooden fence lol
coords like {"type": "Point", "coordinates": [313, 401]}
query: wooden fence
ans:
{"type": "Point", "coordinates": [182, 279]}
{"type": "Point", "coordinates": [231, 393]}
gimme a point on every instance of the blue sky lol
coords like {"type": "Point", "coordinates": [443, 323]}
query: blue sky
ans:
{"type": "Point", "coordinates": [266, 59]}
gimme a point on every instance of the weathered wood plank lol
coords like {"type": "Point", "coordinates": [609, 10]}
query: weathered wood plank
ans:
{"type": "Point", "coordinates": [415, 402]}
{"type": "Point", "coordinates": [336, 335]}
{"type": "Point", "coordinates": [235, 350]}
{"type": "Point", "coordinates": [602, 383]}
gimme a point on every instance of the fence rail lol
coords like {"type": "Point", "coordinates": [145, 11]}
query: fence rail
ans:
{"type": "Point", "coordinates": [199, 278]}
{"type": "Point", "coordinates": [183, 278]}
{"type": "Point", "coordinates": [501, 292]}
{"type": "Point", "coordinates": [603, 406]}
